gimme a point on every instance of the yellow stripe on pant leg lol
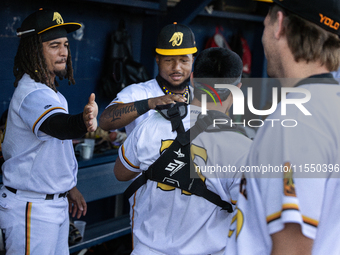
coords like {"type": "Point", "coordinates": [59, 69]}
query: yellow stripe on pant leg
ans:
{"type": "Point", "coordinates": [28, 228]}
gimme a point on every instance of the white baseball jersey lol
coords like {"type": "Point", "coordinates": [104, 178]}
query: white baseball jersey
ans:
{"type": "Point", "coordinates": [166, 220]}
{"type": "Point", "coordinates": [336, 73]}
{"type": "Point", "coordinates": [310, 149]}
{"type": "Point", "coordinates": [35, 161]}
{"type": "Point", "coordinates": [36, 164]}
{"type": "Point", "coordinates": [136, 92]}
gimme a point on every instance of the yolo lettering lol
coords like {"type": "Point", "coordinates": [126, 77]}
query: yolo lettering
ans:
{"type": "Point", "coordinates": [329, 22]}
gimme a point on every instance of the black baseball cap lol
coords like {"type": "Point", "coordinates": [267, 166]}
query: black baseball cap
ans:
{"type": "Point", "coordinates": [46, 21]}
{"type": "Point", "coordinates": [176, 39]}
{"type": "Point", "coordinates": [324, 13]}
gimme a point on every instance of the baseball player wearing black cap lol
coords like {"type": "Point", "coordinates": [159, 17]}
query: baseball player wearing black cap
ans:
{"type": "Point", "coordinates": [174, 57]}
{"type": "Point", "coordinates": [292, 206]}
{"type": "Point", "coordinates": [168, 220]}
{"type": "Point", "coordinates": [40, 169]}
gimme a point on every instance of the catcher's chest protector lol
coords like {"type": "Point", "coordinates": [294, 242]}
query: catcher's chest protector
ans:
{"type": "Point", "coordinates": [175, 166]}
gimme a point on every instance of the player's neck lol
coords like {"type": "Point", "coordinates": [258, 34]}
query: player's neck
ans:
{"type": "Point", "coordinates": [212, 106]}
{"type": "Point", "coordinates": [52, 83]}
{"type": "Point", "coordinates": [52, 78]}
{"type": "Point", "coordinates": [292, 71]}
{"type": "Point", "coordinates": [301, 71]}
{"type": "Point", "coordinates": [168, 88]}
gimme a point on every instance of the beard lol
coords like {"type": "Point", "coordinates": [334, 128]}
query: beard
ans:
{"type": "Point", "coordinates": [172, 88]}
{"type": "Point", "coordinates": [61, 73]}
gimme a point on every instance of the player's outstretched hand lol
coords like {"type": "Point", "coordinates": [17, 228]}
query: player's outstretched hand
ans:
{"type": "Point", "coordinates": [77, 204]}
{"type": "Point", "coordinates": [167, 99]}
{"type": "Point", "coordinates": [90, 114]}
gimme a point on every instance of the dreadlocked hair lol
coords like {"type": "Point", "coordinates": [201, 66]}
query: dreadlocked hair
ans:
{"type": "Point", "coordinates": [30, 59]}
{"type": "Point", "coordinates": [69, 74]}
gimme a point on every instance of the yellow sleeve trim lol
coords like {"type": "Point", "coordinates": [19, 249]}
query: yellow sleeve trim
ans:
{"type": "Point", "coordinates": [285, 207]}
{"type": "Point", "coordinates": [126, 160]}
{"type": "Point", "coordinates": [273, 217]}
{"type": "Point", "coordinates": [290, 207]}
{"type": "Point", "coordinates": [49, 110]}
{"type": "Point", "coordinates": [305, 219]}
{"type": "Point", "coordinates": [310, 221]}
{"type": "Point", "coordinates": [116, 102]}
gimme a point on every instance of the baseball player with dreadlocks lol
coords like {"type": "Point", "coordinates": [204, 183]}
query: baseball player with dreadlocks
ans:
{"type": "Point", "coordinates": [40, 169]}
{"type": "Point", "coordinates": [169, 220]}
{"type": "Point", "coordinates": [296, 210]}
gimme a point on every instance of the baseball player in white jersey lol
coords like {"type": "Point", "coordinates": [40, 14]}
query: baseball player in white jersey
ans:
{"type": "Point", "coordinates": [336, 74]}
{"type": "Point", "coordinates": [175, 52]}
{"type": "Point", "coordinates": [40, 168]}
{"type": "Point", "coordinates": [290, 206]}
{"type": "Point", "coordinates": [168, 220]}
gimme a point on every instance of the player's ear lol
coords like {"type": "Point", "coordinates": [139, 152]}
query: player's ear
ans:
{"type": "Point", "coordinates": [157, 59]}
{"type": "Point", "coordinates": [193, 59]}
{"type": "Point", "coordinates": [279, 28]}
{"type": "Point", "coordinates": [239, 85]}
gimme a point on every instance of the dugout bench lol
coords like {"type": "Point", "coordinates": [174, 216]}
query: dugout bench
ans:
{"type": "Point", "coordinates": [96, 181]}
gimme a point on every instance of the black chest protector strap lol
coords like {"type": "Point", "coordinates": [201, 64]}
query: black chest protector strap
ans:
{"type": "Point", "coordinates": [176, 168]}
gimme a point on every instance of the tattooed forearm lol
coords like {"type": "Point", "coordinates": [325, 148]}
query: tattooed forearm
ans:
{"type": "Point", "coordinates": [116, 112]}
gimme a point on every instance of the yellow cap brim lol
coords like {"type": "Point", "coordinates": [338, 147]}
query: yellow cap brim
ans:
{"type": "Point", "coordinates": [266, 1]}
{"type": "Point", "coordinates": [174, 52]}
{"type": "Point", "coordinates": [70, 24]}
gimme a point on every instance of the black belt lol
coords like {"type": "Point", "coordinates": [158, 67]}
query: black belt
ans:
{"type": "Point", "coordinates": [48, 196]}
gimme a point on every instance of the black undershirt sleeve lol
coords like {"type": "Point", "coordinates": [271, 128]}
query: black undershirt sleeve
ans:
{"type": "Point", "coordinates": [64, 126]}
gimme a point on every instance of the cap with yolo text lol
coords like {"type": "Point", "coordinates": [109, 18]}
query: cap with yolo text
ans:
{"type": "Point", "coordinates": [325, 13]}
{"type": "Point", "coordinates": [176, 39]}
{"type": "Point", "coordinates": [42, 21]}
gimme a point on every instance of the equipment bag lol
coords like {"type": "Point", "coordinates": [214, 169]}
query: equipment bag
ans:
{"type": "Point", "coordinates": [217, 40]}
{"type": "Point", "coordinates": [240, 46]}
{"type": "Point", "coordinates": [120, 68]}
